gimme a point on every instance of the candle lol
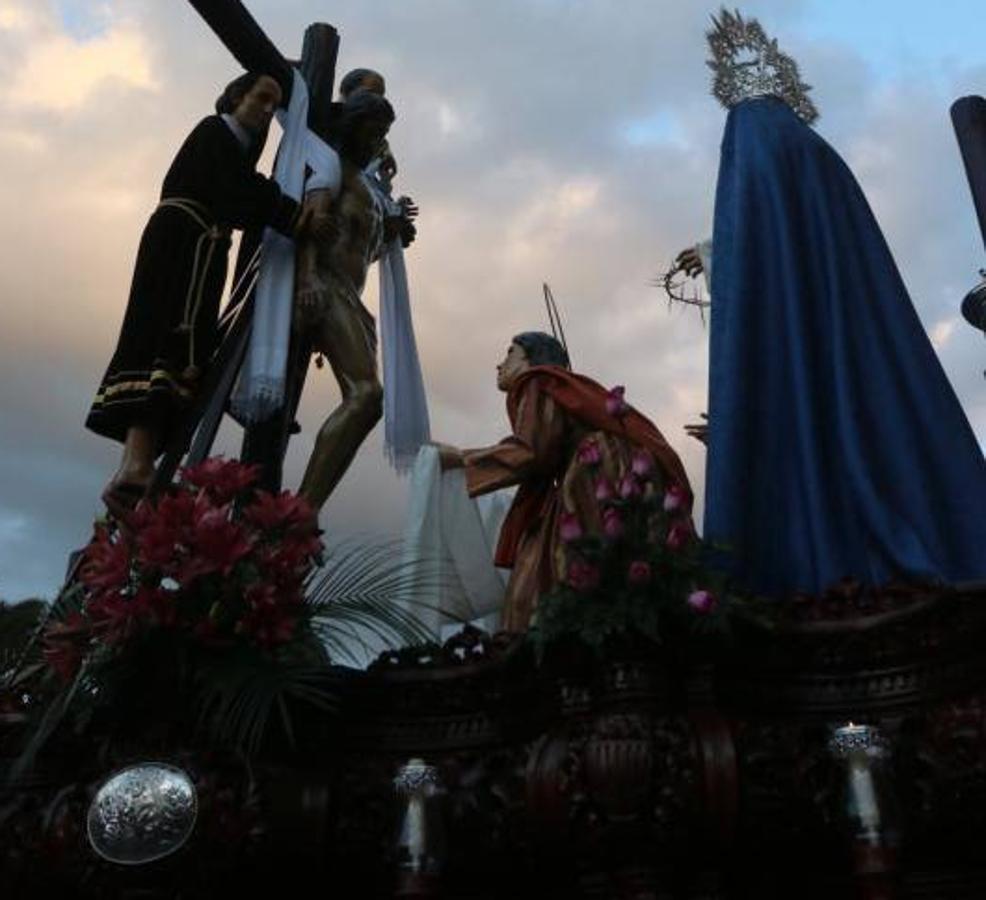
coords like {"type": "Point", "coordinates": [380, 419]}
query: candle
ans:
{"type": "Point", "coordinates": [862, 795]}
{"type": "Point", "coordinates": [860, 746]}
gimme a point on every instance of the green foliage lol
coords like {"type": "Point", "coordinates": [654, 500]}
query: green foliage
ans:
{"type": "Point", "coordinates": [367, 590]}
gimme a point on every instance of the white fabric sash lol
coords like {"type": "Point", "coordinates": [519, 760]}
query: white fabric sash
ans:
{"type": "Point", "coordinates": [259, 391]}
{"type": "Point", "coordinates": [405, 406]}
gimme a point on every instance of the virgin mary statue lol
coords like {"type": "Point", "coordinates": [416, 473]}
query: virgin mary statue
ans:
{"type": "Point", "coordinates": [837, 448]}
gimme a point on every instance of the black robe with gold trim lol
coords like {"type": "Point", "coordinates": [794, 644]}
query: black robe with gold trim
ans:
{"type": "Point", "coordinates": [169, 328]}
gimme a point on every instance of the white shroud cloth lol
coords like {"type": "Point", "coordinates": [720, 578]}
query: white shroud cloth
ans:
{"type": "Point", "coordinates": [259, 391]}
{"type": "Point", "coordinates": [405, 406]}
{"type": "Point", "coordinates": [449, 541]}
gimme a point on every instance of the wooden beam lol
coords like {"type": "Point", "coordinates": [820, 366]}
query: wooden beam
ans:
{"type": "Point", "coordinates": [232, 23]}
{"type": "Point", "coordinates": [267, 442]}
{"type": "Point", "coordinates": [969, 121]}
{"type": "Point", "coordinates": [319, 54]}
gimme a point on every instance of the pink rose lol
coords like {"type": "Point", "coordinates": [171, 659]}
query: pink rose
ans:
{"type": "Point", "coordinates": [675, 499]}
{"type": "Point", "coordinates": [588, 453]}
{"type": "Point", "coordinates": [569, 527]}
{"type": "Point", "coordinates": [642, 463]}
{"type": "Point", "coordinates": [582, 576]}
{"type": "Point", "coordinates": [604, 489]}
{"type": "Point", "coordinates": [628, 487]}
{"type": "Point", "coordinates": [612, 522]}
{"type": "Point", "coordinates": [703, 602]}
{"type": "Point", "coordinates": [679, 534]}
{"type": "Point", "coordinates": [639, 572]}
{"type": "Point", "coordinates": [615, 404]}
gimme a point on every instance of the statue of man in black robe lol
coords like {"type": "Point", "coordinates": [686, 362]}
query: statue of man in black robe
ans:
{"type": "Point", "coordinates": [169, 328]}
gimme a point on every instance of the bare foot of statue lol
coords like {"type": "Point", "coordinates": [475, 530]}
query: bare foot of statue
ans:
{"type": "Point", "coordinates": [125, 490]}
{"type": "Point", "coordinates": [134, 476]}
{"type": "Point", "coordinates": [120, 498]}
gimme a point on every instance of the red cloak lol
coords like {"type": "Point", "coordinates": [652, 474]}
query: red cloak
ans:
{"type": "Point", "coordinates": [585, 400]}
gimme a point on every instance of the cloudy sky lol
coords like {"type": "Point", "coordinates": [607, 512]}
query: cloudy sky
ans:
{"type": "Point", "coordinates": [572, 141]}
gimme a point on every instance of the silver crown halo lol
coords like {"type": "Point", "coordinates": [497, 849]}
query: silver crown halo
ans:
{"type": "Point", "coordinates": [748, 64]}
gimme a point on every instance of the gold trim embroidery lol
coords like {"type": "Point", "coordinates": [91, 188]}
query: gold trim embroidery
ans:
{"type": "Point", "coordinates": [158, 375]}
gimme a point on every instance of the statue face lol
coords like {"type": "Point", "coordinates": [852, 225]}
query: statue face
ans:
{"type": "Point", "coordinates": [370, 134]}
{"type": "Point", "coordinates": [256, 108]}
{"type": "Point", "coordinates": [368, 137]}
{"type": "Point", "coordinates": [514, 364]}
{"type": "Point", "coordinates": [373, 83]}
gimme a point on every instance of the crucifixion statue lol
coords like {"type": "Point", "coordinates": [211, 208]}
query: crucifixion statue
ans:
{"type": "Point", "coordinates": [265, 442]}
{"type": "Point", "coordinates": [163, 370]}
{"type": "Point", "coordinates": [172, 377]}
{"type": "Point", "coordinates": [351, 221]}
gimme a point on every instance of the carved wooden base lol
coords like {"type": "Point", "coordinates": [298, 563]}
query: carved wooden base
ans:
{"type": "Point", "coordinates": [631, 777]}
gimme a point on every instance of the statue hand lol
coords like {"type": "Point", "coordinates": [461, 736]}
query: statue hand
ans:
{"type": "Point", "coordinates": [690, 262]}
{"type": "Point", "coordinates": [699, 430]}
{"type": "Point", "coordinates": [311, 295]}
{"type": "Point", "coordinates": [315, 221]}
{"type": "Point", "coordinates": [409, 209]}
{"type": "Point", "coordinates": [408, 232]}
{"type": "Point", "coordinates": [449, 456]}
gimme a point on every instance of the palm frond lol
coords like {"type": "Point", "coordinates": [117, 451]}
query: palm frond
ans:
{"type": "Point", "coordinates": [238, 696]}
{"type": "Point", "coordinates": [350, 621]}
{"type": "Point", "coordinates": [367, 588]}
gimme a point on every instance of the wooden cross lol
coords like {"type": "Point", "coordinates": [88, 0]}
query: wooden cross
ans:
{"type": "Point", "coordinates": [969, 121]}
{"type": "Point", "coordinates": [267, 442]}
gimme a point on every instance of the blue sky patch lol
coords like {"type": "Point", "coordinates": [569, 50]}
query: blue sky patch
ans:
{"type": "Point", "coordinates": [658, 128]}
{"type": "Point", "coordinates": [84, 19]}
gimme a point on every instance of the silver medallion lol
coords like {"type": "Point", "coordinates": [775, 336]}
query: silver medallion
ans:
{"type": "Point", "coordinates": [142, 813]}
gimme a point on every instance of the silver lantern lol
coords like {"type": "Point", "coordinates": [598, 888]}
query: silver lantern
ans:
{"type": "Point", "coordinates": [421, 832]}
{"type": "Point", "coordinates": [863, 750]}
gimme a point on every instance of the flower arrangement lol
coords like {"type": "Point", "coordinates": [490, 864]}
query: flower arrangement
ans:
{"type": "Point", "coordinates": [212, 562]}
{"type": "Point", "coordinates": [211, 617]}
{"type": "Point", "coordinates": [195, 620]}
{"type": "Point", "coordinates": [633, 565]}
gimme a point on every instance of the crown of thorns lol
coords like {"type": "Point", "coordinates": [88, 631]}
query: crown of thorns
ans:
{"type": "Point", "coordinates": [675, 284]}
